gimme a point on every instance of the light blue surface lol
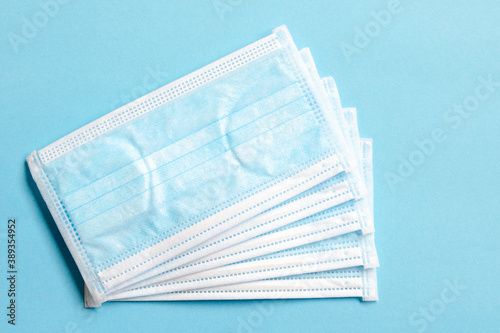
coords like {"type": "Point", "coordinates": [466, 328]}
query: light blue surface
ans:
{"type": "Point", "coordinates": [438, 224]}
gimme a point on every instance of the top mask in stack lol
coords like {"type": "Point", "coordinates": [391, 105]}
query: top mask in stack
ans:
{"type": "Point", "coordinates": [277, 255]}
{"type": "Point", "coordinates": [168, 179]}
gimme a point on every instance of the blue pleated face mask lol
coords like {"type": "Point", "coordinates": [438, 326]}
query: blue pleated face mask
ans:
{"type": "Point", "coordinates": [286, 250]}
{"type": "Point", "coordinates": [294, 218]}
{"type": "Point", "coordinates": [330, 193]}
{"type": "Point", "coordinates": [126, 191]}
{"type": "Point", "coordinates": [334, 191]}
{"type": "Point", "coordinates": [304, 246]}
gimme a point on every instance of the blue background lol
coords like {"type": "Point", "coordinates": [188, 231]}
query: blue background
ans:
{"type": "Point", "coordinates": [438, 223]}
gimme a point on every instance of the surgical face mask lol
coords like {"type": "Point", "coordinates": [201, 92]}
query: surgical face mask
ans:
{"type": "Point", "coordinates": [125, 189]}
{"type": "Point", "coordinates": [318, 250]}
{"type": "Point", "coordinates": [330, 193]}
{"type": "Point", "coordinates": [285, 238]}
{"type": "Point", "coordinates": [342, 219]}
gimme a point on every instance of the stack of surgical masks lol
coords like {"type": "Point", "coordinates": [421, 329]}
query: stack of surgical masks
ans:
{"type": "Point", "coordinates": [243, 180]}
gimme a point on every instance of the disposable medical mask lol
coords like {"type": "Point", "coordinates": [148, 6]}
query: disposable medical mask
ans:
{"type": "Point", "coordinates": [323, 196]}
{"type": "Point", "coordinates": [330, 223]}
{"type": "Point", "coordinates": [299, 233]}
{"type": "Point", "coordinates": [125, 190]}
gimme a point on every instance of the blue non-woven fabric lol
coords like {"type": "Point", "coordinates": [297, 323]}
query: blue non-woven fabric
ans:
{"type": "Point", "coordinates": [363, 208]}
{"type": "Point", "coordinates": [292, 211]}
